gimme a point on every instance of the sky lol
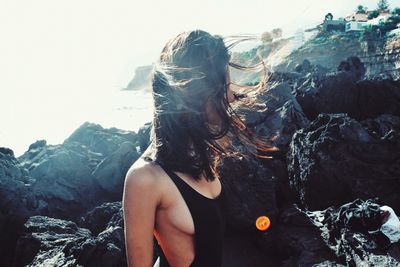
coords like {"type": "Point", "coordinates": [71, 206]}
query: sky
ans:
{"type": "Point", "coordinates": [83, 44]}
{"type": "Point", "coordinates": [55, 55]}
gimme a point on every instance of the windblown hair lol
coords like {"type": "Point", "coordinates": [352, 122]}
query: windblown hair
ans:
{"type": "Point", "coordinates": [191, 72]}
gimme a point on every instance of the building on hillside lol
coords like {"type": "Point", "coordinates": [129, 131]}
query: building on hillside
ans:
{"type": "Point", "coordinates": [352, 26]}
{"type": "Point", "coordinates": [330, 24]}
{"type": "Point", "coordinates": [357, 16]}
{"type": "Point", "coordinates": [356, 21]}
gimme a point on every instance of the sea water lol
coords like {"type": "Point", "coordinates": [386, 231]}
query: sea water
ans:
{"type": "Point", "coordinates": [28, 116]}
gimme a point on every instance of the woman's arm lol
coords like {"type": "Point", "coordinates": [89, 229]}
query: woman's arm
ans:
{"type": "Point", "coordinates": [140, 201]}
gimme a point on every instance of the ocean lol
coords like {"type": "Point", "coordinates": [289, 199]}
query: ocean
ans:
{"type": "Point", "coordinates": [28, 117]}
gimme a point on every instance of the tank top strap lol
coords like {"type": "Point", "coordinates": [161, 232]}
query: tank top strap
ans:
{"type": "Point", "coordinates": [187, 190]}
{"type": "Point", "coordinates": [180, 184]}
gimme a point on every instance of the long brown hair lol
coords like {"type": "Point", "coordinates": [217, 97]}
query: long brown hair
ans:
{"type": "Point", "coordinates": [191, 72]}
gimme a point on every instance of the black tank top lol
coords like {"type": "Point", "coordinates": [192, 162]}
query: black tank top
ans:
{"type": "Point", "coordinates": [209, 222]}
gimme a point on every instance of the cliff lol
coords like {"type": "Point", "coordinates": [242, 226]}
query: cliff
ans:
{"type": "Point", "coordinates": [141, 79]}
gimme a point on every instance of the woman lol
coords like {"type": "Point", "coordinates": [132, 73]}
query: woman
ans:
{"type": "Point", "coordinates": [173, 192]}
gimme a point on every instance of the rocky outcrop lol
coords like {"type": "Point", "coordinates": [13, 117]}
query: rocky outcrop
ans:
{"type": "Point", "coordinates": [279, 117]}
{"type": "Point", "coordinates": [251, 192]}
{"type": "Point", "coordinates": [55, 242]}
{"type": "Point", "coordinates": [86, 170]}
{"type": "Point", "coordinates": [326, 49]}
{"type": "Point", "coordinates": [351, 231]}
{"type": "Point", "coordinates": [63, 181]}
{"type": "Point", "coordinates": [110, 172]}
{"type": "Point", "coordinates": [99, 140]}
{"type": "Point", "coordinates": [380, 56]}
{"type": "Point", "coordinates": [338, 159]}
{"type": "Point", "coordinates": [96, 240]}
{"type": "Point", "coordinates": [344, 92]}
{"type": "Point", "coordinates": [17, 202]}
{"type": "Point", "coordinates": [141, 79]}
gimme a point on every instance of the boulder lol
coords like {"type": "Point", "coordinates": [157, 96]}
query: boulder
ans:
{"type": "Point", "coordinates": [110, 172]}
{"type": "Point", "coordinates": [354, 65]}
{"type": "Point", "coordinates": [352, 232]}
{"type": "Point", "coordinates": [17, 202]}
{"type": "Point", "coordinates": [251, 191]}
{"type": "Point", "coordinates": [343, 92]}
{"type": "Point", "coordinates": [337, 160]}
{"type": "Point", "coordinates": [100, 140]}
{"type": "Point", "coordinates": [55, 242]}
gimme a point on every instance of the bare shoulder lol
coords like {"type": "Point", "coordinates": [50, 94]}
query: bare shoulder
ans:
{"type": "Point", "coordinates": [143, 173]}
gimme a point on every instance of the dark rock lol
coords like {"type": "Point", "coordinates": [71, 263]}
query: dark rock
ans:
{"type": "Point", "coordinates": [250, 190]}
{"type": "Point", "coordinates": [106, 249]}
{"type": "Point", "coordinates": [110, 172]}
{"type": "Point", "coordinates": [45, 240]}
{"type": "Point", "coordinates": [6, 151]}
{"type": "Point", "coordinates": [279, 117]}
{"type": "Point", "coordinates": [17, 203]}
{"type": "Point", "coordinates": [97, 219]}
{"type": "Point", "coordinates": [296, 241]}
{"type": "Point", "coordinates": [385, 127]}
{"type": "Point", "coordinates": [282, 124]}
{"type": "Point", "coordinates": [38, 144]}
{"type": "Point", "coordinates": [48, 241]}
{"type": "Point", "coordinates": [304, 67]}
{"type": "Point", "coordinates": [336, 160]}
{"type": "Point", "coordinates": [277, 95]}
{"type": "Point", "coordinates": [87, 170]}
{"type": "Point", "coordinates": [350, 232]}
{"type": "Point", "coordinates": [353, 64]}
{"type": "Point", "coordinates": [100, 140]}
{"type": "Point", "coordinates": [343, 92]}
{"type": "Point", "coordinates": [63, 181]}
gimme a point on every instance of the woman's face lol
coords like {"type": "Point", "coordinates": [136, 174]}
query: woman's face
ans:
{"type": "Point", "coordinates": [212, 115]}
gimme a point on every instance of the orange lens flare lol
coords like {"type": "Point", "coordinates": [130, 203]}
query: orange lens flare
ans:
{"type": "Point", "coordinates": [263, 223]}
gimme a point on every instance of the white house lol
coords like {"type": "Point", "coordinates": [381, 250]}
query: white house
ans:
{"type": "Point", "coordinates": [356, 21]}
{"type": "Point", "coordinates": [357, 17]}
{"type": "Point", "coordinates": [355, 25]}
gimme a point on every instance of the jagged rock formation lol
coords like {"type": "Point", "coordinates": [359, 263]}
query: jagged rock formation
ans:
{"type": "Point", "coordinates": [55, 242]}
{"type": "Point", "coordinates": [337, 159]}
{"type": "Point", "coordinates": [344, 92]}
{"type": "Point", "coordinates": [63, 181]}
{"type": "Point", "coordinates": [352, 232]}
{"type": "Point", "coordinates": [339, 138]}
